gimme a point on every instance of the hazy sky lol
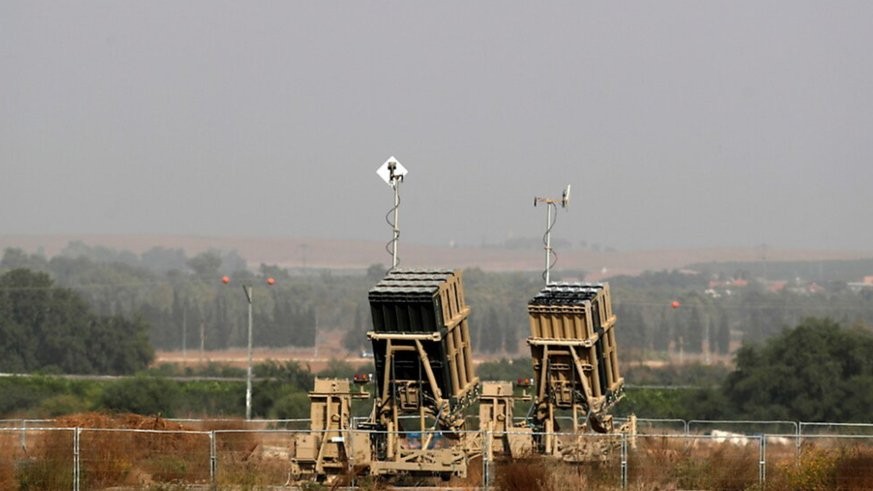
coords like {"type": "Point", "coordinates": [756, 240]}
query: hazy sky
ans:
{"type": "Point", "coordinates": [679, 124]}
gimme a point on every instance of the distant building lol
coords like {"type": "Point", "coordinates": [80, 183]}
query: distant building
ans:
{"type": "Point", "coordinates": [811, 288]}
{"type": "Point", "coordinates": [717, 287]}
{"type": "Point", "coordinates": [865, 284]}
{"type": "Point", "coordinates": [775, 286]}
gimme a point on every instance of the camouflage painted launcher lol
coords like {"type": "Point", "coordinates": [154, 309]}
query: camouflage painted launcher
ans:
{"type": "Point", "coordinates": [421, 342]}
{"type": "Point", "coordinates": [573, 351]}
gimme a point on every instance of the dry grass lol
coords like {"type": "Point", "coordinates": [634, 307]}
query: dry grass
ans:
{"type": "Point", "coordinates": [549, 474]}
{"type": "Point", "coordinates": [249, 459]}
{"type": "Point", "coordinates": [670, 463]}
{"type": "Point", "coordinates": [854, 469]}
{"type": "Point", "coordinates": [825, 468]}
{"type": "Point", "coordinates": [255, 460]}
{"type": "Point", "coordinates": [116, 458]}
{"type": "Point", "coordinates": [43, 462]}
{"type": "Point", "coordinates": [129, 458]}
{"type": "Point", "coordinates": [9, 450]}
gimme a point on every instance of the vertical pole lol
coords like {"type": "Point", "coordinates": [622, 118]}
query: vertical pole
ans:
{"type": "Point", "coordinates": [624, 460]}
{"type": "Point", "coordinates": [212, 458]}
{"type": "Point", "coordinates": [76, 463]}
{"type": "Point", "coordinates": [548, 240]}
{"type": "Point", "coordinates": [762, 465]}
{"type": "Point", "coordinates": [248, 290]}
{"type": "Point", "coordinates": [24, 435]}
{"type": "Point", "coordinates": [396, 187]}
{"type": "Point", "coordinates": [798, 441]}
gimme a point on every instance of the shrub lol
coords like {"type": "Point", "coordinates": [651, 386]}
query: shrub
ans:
{"type": "Point", "coordinates": [142, 395]}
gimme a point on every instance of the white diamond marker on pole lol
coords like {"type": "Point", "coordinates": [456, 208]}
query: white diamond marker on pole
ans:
{"type": "Point", "coordinates": [385, 171]}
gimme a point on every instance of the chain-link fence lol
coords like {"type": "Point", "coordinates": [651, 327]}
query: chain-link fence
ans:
{"type": "Point", "coordinates": [664, 454]}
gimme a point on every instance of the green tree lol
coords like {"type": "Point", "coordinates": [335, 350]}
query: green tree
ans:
{"type": "Point", "coordinates": [510, 341]}
{"type": "Point", "coordinates": [490, 334]}
{"type": "Point", "coordinates": [142, 395]}
{"type": "Point", "coordinates": [308, 327]}
{"type": "Point", "coordinates": [356, 338]}
{"type": "Point", "coordinates": [505, 369]}
{"type": "Point", "coordinates": [14, 258]}
{"type": "Point", "coordinates": [282, 391]}
{"type": "Point", "coordinates": [162, 260]}
{"type": "Point", "coordinates": [122, 344]}
{"type": "Point", "coordinates": [206, 265]}
{"type": "Point", "coordinates": [723, 333]}
{"type": "Point", "coordinates": [810, 373]}
{"type": "Point", "coordinates": [43, 327]}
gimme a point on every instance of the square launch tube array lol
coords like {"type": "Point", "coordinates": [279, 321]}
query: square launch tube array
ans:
{"type": "Point", "coordinates": [577, 317]}
{"type": "Point", "coordinates": [427, 306]}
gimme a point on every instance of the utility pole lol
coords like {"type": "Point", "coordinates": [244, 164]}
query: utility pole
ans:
{"type": "Point", "coordinates": [249, 292]}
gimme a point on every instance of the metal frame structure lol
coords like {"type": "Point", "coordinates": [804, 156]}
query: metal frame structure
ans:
{"type": "Point", "coordinates": [575, 363]}
{"type": "Point", "coordinates": [496, 423]}
{"type": "Point", "coordinates": [328, 449]}
{"type": "Point", "coordinates": [424, 382]}
{"type": "Point", "coordinates": [424, 367]}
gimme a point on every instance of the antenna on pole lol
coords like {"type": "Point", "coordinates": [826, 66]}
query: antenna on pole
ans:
{"type": "Point", "coordinates": [393, 172]}
{"type": "Point", "coordinates": [551, 257]}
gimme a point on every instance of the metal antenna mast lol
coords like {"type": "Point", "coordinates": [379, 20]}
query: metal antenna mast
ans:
{"type": "Point", "coordinates": [547, 237]}
{"type": "Point", "coordinates": [393, 172]}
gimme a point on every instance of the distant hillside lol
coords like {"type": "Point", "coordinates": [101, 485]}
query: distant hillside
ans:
{"type": "Point", "coordinates": [293, 252]}
{"type": "Point", "coordinates": [820, 270]}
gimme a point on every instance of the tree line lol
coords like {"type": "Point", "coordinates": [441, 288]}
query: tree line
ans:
{"type": "Point", "coordinates": [188, 305]}
{"type": "Point", "coordinates": [47, 328]}
{"type": "Point", "coordinates": [819, 370]}
{"type": "Point", "coordinates": [650, 321]}
{"type": "Point", "coordinates": [184, 304]}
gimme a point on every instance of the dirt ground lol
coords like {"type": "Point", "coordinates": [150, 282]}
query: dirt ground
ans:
{"type": "Point", "coordinates": [329, 349]}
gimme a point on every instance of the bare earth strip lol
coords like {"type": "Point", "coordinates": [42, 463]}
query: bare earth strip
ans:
{"type": "Point", "coordinates": [329, 351]}
{"type": "Point", "coordinates": [353, 254]}
{"type": "Point", "coordinates": [237, 358]}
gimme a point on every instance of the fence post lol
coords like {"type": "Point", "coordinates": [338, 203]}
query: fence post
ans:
{"type": "Point", "coordinates": [624, 461]}
{"type": "Point", "coordinates": [213, 460]}
{"type": "Point", "coordinates": [24, 435]}
{"type": "Point", "coordinates": [798, 442]}
{"type": "Point", "coordinates": [76, 459]}
{"type": "Point", "coordinates": [762, 464]}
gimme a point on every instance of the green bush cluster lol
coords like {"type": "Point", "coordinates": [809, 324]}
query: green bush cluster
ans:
{"type": "Point", "coordinates": [280, 391]}
{"type": "Point", "coordinates": [51, 329]}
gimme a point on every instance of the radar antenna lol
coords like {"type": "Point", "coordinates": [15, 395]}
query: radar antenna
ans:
{"type": "Point", "coordinates": [551, 256]}
{"type": "Point", "coordinates": [393, 172]}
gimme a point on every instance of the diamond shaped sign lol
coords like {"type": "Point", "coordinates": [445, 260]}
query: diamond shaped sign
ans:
{"type": "Point", "coordinates": [385, 171]}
